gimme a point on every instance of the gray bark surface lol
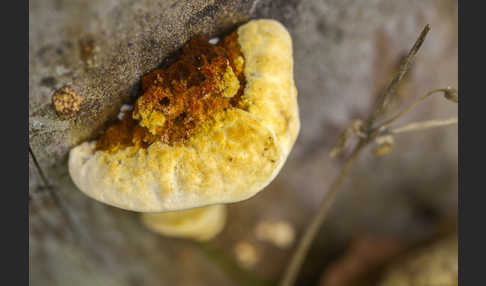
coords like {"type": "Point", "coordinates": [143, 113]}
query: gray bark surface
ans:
{"type": "Point", "coordinates": [344, 53]}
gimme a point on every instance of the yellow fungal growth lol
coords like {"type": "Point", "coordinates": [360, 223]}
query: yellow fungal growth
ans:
{"type": "Point", "coordinates": [199, 223]}
{"type": "Point", "coordinates": [214, 127]}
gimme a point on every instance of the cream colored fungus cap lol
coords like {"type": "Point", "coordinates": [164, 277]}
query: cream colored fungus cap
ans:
{"type": "Point", "coordinates": [200, 224]}
{"type": "Point", "coordinates": [238, 156]}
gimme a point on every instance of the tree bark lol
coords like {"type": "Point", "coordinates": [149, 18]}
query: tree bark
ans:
{"type": "Point", "coordinates": [344, 53]}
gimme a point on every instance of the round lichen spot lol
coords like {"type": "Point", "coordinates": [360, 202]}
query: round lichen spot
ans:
{"type": "Point", "coordinates": [66, 102]}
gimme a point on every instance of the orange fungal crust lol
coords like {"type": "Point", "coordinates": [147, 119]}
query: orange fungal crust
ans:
{"type": "Point", "coordinates": [178, 100]}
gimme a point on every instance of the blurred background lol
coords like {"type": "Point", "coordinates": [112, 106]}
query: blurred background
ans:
{"type": "Point", "coordinates": [394, 220]}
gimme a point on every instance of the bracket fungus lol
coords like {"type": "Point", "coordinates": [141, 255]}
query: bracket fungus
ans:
{"type": "Point", "coordinates": [214, 127]}
{"type": "Point", "coordinates": [201, 223]}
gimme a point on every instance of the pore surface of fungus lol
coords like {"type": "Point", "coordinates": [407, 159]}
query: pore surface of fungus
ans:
{"type": "Point", "coordinates": [214, 127]}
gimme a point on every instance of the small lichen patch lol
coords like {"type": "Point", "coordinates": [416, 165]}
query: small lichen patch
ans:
{"type": "Point", "coordinates": [66, 102]}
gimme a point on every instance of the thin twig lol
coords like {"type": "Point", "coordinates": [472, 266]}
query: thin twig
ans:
{"type": "Point", "coordinates": [39, 169]}
{"type": "Point", "coordinates": [76, 233]}
{"type": "Point", "coordinates": [310, 232]}
{"type": "Point", "coordinates": [411, 106]}
{"type": "Point", "coordinates": [53, 195]}
{"type": "Point", "coordinates": [422, 125]}
{"type": "Point", "coordinates": [382, 102]}
{"type": "Point", "coordinates": [356, 128]}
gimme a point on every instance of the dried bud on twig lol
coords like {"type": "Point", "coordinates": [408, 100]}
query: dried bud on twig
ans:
{"type": "Point", "coordinates": [385, 145]}
{"type": "Point", "coordinates": [356, 128]}
{"type": "Point", "coordinates": [451, 94]}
